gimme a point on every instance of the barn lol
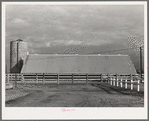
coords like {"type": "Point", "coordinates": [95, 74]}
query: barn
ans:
{"type": "Point", "coordinates": [67, 63]}
{"type": "Point", "coordinates": [70, 63]}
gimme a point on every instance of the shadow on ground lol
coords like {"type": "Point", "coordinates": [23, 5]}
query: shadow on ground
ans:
{"type": "Point", "coordinates": [113, 89]}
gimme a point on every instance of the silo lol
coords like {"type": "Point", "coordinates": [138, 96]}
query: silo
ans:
{"type": "Point", "coordinates": [18, 52]}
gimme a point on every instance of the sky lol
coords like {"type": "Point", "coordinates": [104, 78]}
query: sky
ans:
{"type": "Point", "coordinates": [81, 29]}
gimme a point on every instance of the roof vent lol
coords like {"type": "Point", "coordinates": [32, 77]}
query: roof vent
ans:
{"type": "Point", "coordinates": [19, 40]}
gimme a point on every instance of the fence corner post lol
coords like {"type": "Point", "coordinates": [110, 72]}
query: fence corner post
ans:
{"type": "Point", "coordinates": [131, 81]}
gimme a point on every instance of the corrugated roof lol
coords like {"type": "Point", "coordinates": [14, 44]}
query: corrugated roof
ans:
{"type": "Point", "coordinates": [50, 63]}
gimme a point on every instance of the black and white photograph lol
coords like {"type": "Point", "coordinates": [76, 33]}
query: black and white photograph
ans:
{"type": "Point", "coordinates": [74, 60]}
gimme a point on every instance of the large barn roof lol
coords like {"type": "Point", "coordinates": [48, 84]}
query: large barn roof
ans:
{"type": "Point", "coordinates": [52, 63]}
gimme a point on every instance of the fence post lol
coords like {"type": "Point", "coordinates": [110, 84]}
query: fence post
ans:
{"type": "Point", "coordinates": [121, 83]}
{"type": "Point", "coordinates": [131, 81]}
{"type": "Point", "coordinates": [117, 80]}
{"type": "Point", "coordinates": [7, 78]}
{"type": "Point", "coordinates": [101, 78]}
{"type": "Point", "coordinates": [43, 78]}
{"type": "Point", "coordinates": [108, 78]}
{"type": "Point", "coordinates": [86, 78]}
{"type": "Point", "coordinates": [36, 78]}
{"type": "Point", "coordinates": [72, 78]}
{"type": "Point", "coordinates": [114, 81]}
{"type": "Point", "coordinates": [57, 78]}
{"type": "Point", "coordinates": [125, 83]}
{"type": "Point", "coordinates": [138, 85]}
{"type": "Point", "coordinates": [111, 81]}
{"type": "Point", "coordinates": [15, 80]}
{"type": "Point", "coordinates": [22, 78]}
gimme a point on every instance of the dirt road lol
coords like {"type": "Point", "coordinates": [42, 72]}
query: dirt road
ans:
{"type": "Point", "coordinates": [75, 95]}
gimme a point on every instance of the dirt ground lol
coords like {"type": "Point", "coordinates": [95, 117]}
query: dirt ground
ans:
{"type": "Point", "coordinates": [73, 95]}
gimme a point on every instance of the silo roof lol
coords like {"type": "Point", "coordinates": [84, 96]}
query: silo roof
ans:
{"type": "Point", "coordinates": [19, 40]}
{"type": "Point", "coordinates": [54, 63]}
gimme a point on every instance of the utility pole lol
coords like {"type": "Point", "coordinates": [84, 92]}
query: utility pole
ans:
{"type": "Point", "coordinates": [141, 63]}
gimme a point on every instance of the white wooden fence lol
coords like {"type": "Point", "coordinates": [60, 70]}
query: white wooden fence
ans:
{"type": "Point", "coordinates": [124, 80]}
{"type": "Point", "coordinates": [112, 79]}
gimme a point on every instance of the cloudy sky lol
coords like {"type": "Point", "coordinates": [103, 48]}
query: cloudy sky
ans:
{"type": "Point", "coordinates": [78, 29]}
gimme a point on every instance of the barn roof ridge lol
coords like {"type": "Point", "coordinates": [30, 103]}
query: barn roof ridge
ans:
{"type": "Point", "coordinates": [80, 54]}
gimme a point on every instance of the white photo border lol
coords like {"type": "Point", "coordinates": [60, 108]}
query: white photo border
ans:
{"type": "Point", "coordinates": [79, 113]}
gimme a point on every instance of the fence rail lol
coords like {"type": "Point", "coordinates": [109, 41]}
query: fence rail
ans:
{"type": "Point", "coordinates": [112, 79]}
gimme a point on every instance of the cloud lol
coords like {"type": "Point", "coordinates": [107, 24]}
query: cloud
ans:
{"type": "Point", "coordinates": [63, 42]}
{"type": "Point", "coordinates": [18, 20]}
{"type": "Point", "coordinates": [73, 42]}
{"type": "Point", "coordinates": [47, 26]}
{"type": "Point", "coordinates": [48, 44]}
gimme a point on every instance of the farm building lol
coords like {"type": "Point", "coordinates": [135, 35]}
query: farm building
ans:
{"type": "Point", "coordinates": [45, 63]}
{"type": "Point", "coordinates": [69, 63]}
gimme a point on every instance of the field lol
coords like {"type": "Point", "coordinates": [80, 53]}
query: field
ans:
{"type": "Point", "coordinates": [73, 95]}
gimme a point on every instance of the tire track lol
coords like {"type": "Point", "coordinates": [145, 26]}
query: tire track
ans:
{"type": "Point", "coordinates": [82, 103]}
